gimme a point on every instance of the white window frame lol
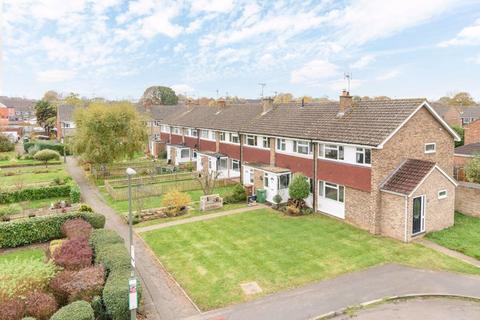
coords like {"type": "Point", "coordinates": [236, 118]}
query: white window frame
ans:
{"type": "Point", "coordinates": [279, 179]}
{"type": "Point", "coordinates": [223, 136]}
{"type": "Point", "coordinates": [164, 128]}
{"type": "Point", "coordinates": [192, 132]}
{"type": "Point", "coordinates": [176, 130]}
{"type": "Point", "coordinates": [233, 137]}
{"type": "Point", "coordinates": [237, 162]}
{"type": "Point", "coordinates": [334, 147]}
{"type": "Point", "coordinates": [363, 152]}
{"type": "Point", "coordinates": [181, 150]}
{"type": "Point", "coordinates": [248, 140]}
{"type": "Point", "coordinates": [219, 165]}
{"type": "Point", "coordinates": [322, 190]}
{"type": "Point", "coordinates": [266, 142]}
{"type": "Point", "coordinates": [213, 135]}
{"type": "Point", "coordinates": [281, 144]}
{"type": "Point", "coordinates": [442, 194]}
{"type": "Point", "coordinates": [156, 123]}
{"type": "Point", "coordinates": [301, 144]}
{"type": "Point", "coordinates": [204, 134]}
{"type": "Point", "coordinates": [430, 144]}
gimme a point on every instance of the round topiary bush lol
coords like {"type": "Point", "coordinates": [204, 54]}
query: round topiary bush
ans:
{"type": "Point", "coordinates": [46, 155]}
{"type": "Point", "coordinates": [12, 309]}
{"type": "Point", "coordinates": [40, 305]}
{"type": "Point", "coordinates": [78, 310]}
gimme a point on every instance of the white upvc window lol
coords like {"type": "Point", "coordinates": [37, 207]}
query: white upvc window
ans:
{"type": "Point", "coordinates": [266, 142]}
{"type": "Point", "coordinates": [213, 135]}
{"type": "Point", "coordinates": [363, 156]}
{"type": "Point", "coordinates": [234, 138]}
{"type": "Point", "coordinates": [442, 194]}
{"type": "Point", "coordinates": [222, 164]}
{"type": "Point", "coordinates": [301, 146]}
{"type": "Point", "coordinates": [236, 165]}
{"type": "Point", "coordinates": [430, 147]}
{"type": "Point", "coordinates": [332, 151]}
{"type": "Point", "coordinates": [164, 128]}
{"type": "Point", "coordinates": [331, 191]}
{"type": "Point", "coordinates": [204, 134]}
{"type": "Point", "coordinates": [185, 153]}
{"type": "Point", "coordinates": [281, 144]}
{"type": "Point", "coordinates": [283, 181]}
{"type": "Point", "coordinates": [192, 132]}
{"type": "Point", "coordinates": [251, 140]}
{"type": "Point", "coordinates": [175, 130]}
{"type": "Point", "coordinates": [223, 136]}
{"type": "Point", "coordinates": [156, 123]}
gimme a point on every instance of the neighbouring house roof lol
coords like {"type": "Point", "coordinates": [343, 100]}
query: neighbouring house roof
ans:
{"type": "Point", "coordinates": [65, 112]}
{"type": "Point", "coordinates": [20, 104]}
{"type": "Point", "coordinates": [266, 167]}
{"type": "Point", "coordinates": [409, 175]}
{"type": "Point", "coordinates": [368, 123]}
{"type": "Point", "coordinates": [463, 111]}
{"type": "Point", "coordinates": [471, 112]}
{"type": "Point", "coordinates": [468, 149]}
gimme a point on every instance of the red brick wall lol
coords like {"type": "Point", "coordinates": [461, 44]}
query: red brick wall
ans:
{"type": "Point", "coordinates": [256, 155]}
{"type": "Point", "coordinates": [164, 136]}
{"type": "Point", "coordinates": [345, 174]}
{"type": "Point", "coordinates": [190, 142]}
{"type": "Point", "coordinates": [176, 139]}
{"type": "Point", "coordinates": [231, 150]}
{"type": "Point", "coordinates": [206, 145]}
{"type": "Point", "coordinates": [295, 164]}
{"type": "Point", "coordinates": [472, 132]}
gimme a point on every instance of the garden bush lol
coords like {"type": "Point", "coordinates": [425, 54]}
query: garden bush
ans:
{"type": "Point", "coordinates": [5, 144]}
{"type": "Point", "coordinates": [85, 208]}
{"type": "Point", "coordinates": [78, 310]}
{"type": "Point", "coordinates": [99, 308]}
{"type": "Point", "coordinates": [299, 189]}
{"type": "Point", "coordinates": [18, 278]}
{"type": "Point", "coordinates": [10, 210]}
{"type": "Point", "coordinates": [40, 305]}
{"type": "Point", "coordinates": [27, 194]}
{"type": "Point", "coordinates": [57, 285]}
{"type": "Point", "coordinates": [12, 309]}
{"type": "Point", "coordinates": [77, 228]}
{"type": "Point", "coordinates": [75, 194]}
{"type": "Point", "coordinates": [175, 202]}
{"type": "Point", "coordinates": [42, 145]}
{"type": "Point", "coordinates": [74, 254]}
{"type": "Point", "coordinates": [84, 284]}
{"type": "Point", "coordinates": [238, 194]}
{"type": "Point", "coordinates": [103, 237]}
{"type": "Point", "coordinates": [46, 155]}
{"type": "Point", "coordinates": [42, 228]}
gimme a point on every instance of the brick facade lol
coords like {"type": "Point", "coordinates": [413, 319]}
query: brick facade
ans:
{"type": "Point", "coordinates": [467, 199]}
{"type": "Point", "coordinates": [357, 207]}
{"type": "Point", "coordinates": [472, 132]}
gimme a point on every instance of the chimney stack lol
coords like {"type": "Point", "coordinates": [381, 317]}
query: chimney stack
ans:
{"type": "Point", "coordinates": [346, 102]}
{"type": "Point", "coordinates": [267, 104]}
{"type": "Point", "coordinates": [221, 103]}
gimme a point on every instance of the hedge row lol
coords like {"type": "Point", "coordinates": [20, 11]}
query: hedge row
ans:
{"type": "Point", "coordinates": [110, 251]}
{"type": "Point", "coordinates": [42, 228]}
{"type": "Point", "coordinates": [78, 310]}
{"type": "Point", "coordinates": [41, 145]}
{"type": "Point", "coordinates": [68, 190]}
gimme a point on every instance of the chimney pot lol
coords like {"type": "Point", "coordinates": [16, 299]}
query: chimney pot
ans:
{"type": "Point", "coordinates": [221, 103]}
{"type": "Point", "coordinates": [346, 102]}
{"type": "Point", "coordinates": [267, 104]}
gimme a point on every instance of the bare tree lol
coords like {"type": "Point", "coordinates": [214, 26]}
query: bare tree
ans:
{"type": "Point", "coordinates": [207, 180]}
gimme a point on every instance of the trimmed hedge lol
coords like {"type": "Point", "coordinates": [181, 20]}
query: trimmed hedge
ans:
{"type": "Point", "coordinates": [42, 145]}
{"type": "Point", "coordinates": [40, 229]}
{"type": "Point", "coordinates": [78, 310]}
{"type": "Point", "coordinates": [75, 193]}
{"type": "Point", "coordinates": [68, 190]}
{"type": "Point", "coordinates": [110, 251]}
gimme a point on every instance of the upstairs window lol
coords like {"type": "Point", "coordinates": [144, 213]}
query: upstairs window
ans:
{"type": "Point", "coordinates": [156, 123]}
{"type": "Point", "coordinates": [175, 130]}
{"type": "Point", "coordinates": [164, 128]}
{"type": "Point", "coordinates": [251, 140]}
{"type": "Point", "coordinates": [234, 138]}
{"type": "Point", "coordinates": [193, 132]}
{"type": "Point", "coordinates": [213, 135]}
{"type": "Point", "coordinates": [333, 151]}
{"type": "Point", "coordinates": [363, 156]}
{"type": "Point", "coordinates": [204, 134]}
{"type": "Point", "coordinates": [301, 146]}
{"type": "Point", "coordinates": [430, 147]}
{"type": "Point", "coordinates": [223, 136]}
{"type": "Point", "coordinates": [281, 144]}
{"type": "Point", "coordinates": [266, 142]}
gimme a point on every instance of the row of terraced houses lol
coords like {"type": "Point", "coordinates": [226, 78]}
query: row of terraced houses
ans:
{"type": "Point", "coordinates": [385, 165]}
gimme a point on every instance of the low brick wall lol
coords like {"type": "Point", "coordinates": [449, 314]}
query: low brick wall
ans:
{"type": "Point", "coordinates": [467, 198]}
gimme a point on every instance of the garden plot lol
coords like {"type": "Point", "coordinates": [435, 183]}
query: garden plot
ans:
{"type": "Point", "coordinates": [12, 159]}
{"type": "Point", "coordinates": [32, 175]}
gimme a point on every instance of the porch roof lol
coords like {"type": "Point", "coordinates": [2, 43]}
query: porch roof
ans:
{"type": "Point", "coordinates": [267, 167]}
{"type": "Point", "coordinates": [178, 145]}
{"type": "Point", "coordinates": [212, 154]}
{"type": "Point", "coordinates": [408, 176]}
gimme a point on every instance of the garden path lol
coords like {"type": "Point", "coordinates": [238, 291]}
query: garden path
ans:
{"type": "Point", "coordinates": [449, 252]}
{"type": "Point", "coordinates": [163, 298]}
{"type": "Point", "coordinates": [199, 218]}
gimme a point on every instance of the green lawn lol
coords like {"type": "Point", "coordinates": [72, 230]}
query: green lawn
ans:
{"type": "Point", "coordinates": [210, 259]}
{"type": "Point", "coordinates": [36, 204]}
{"type": "Point", "coordinates": [155, 202]}
{"type": "Point", "coordinates": [14, 161]}
{"type": "Point", "coordinates": [23, 254]}
{"type": "Point", "coordinates": [31, 175]}
{"type": "Point", "coordinates": [464, 236]}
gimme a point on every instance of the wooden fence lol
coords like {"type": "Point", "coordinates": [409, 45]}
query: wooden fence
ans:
{"type": "Point", "coordinates": [118, 169]}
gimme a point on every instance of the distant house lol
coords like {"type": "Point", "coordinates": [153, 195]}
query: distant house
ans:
{"type": "Point", "coordinates": [4, 112]}
{"type": "Point", "coordinates": [457, 115]}
{"type": "Point", "coordinates": [65, 122]}
{"type": "Point", "coordinates": [20, 109]}
{"type": "Point", "coordinates": [463, 155]}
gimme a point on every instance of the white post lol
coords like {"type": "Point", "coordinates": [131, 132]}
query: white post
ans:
{"type": "Point", "coordinates": [132, 282]}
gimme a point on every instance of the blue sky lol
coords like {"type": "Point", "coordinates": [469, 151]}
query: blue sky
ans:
{"type": "Point", "coordinates": [116, 49]}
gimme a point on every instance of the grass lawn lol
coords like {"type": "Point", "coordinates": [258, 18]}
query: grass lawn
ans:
{"type": "Point", "coordinates": [210, 259]}
{"type": "Point", "coordinates": [36, 204]}
{"type": "Point", "coordinates": [31, 175]}
{"type": "Point", "coordinates": [23, 254]}
{"type": "Point", "coordinates": [14, 161]}
{"type": "Point", "coordinates": [156, 201]}
{"type": "Point", "coordinates": [464, 236]}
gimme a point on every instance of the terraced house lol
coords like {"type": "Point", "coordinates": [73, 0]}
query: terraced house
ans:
{"type": "Point", "coordinates": [383, 165]}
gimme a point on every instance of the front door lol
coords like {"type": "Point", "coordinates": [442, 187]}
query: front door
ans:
{"type": "Point", "coordinates": [418, 214]}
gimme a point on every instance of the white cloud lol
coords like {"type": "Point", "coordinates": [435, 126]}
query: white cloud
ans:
{"type": "Point", "coordinates": [468, 36]}
{"type": "Point", "coordinates": [182, 88]}
{"type": "Point", "coordinates": [363, 62]}
{"type": "Point", "coordinates": [390, 74]}
{"type": "Point", "coordinates": [366, 20]}
{"type": "Point", "coordinates": [313, 72]}
{"type": "Point", "coordinates": [55, 75]}
{"type": "Point", "coordinates": [212, 5]}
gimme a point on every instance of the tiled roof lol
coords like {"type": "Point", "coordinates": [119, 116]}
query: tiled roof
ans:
{"type": "Point", "coordinates": [468, 149]}
{"type": "Point", "coordinates": [367, 123]}
{"type": "Point", "coordinates": [20, 104]}
{"type": "Point", "coordinates": [464, 111]}
{"type": "Point", "coordinates": [471, 112]}
{"type": "Point", "coordinates": [65, 112]}
{"type": "Point", "coordinates": [407, 177]}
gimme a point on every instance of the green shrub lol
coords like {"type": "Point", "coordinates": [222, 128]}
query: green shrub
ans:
{"type": "Point", "coordinates": [299, 189]}
{"type": "Point", "coordinates": [20, 277]}
{"type": "Point", "coordinates": [111, 252]}
{"type": "Point", "coordinates": [277, 199]}
{"type": "Point", "coordinates": [78, 310]}
{"type": "Point", "coordinates": [46, 155]}
{"type": "Point", "coordinates": [42, 145]}
{"type": "Point", "coordinates": [4, 157]}
{"type": "Point", "coordinates": [10, 210]}
{"type": "Point", "coordinates": [5, 144]}
{"type": "Point", "coordinates": [34, 194]}
{"type": "Point", "coordinates": [42, 228]}
{"type": "Point", "coordinates": [99, 308]}
{"type": "Point", "coordinates": [238, 194]}
{"type": "Point", "coordinates": [85, 208]}
{"type": "Point", "coordinates": [29, 318]}
{"type": "Point", "coordinates": [75, 194]}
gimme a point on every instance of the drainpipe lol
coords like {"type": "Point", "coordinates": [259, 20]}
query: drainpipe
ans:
{"type": "Point", "coordinates": [406, 218]}
{"type": "Point", "coordinates": [314, 180]}
{"type": "Point", "coordinates": [241, 156]}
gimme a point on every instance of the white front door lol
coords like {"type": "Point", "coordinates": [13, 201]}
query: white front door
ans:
{"type": "Point", "coordinates": [270, 185]}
